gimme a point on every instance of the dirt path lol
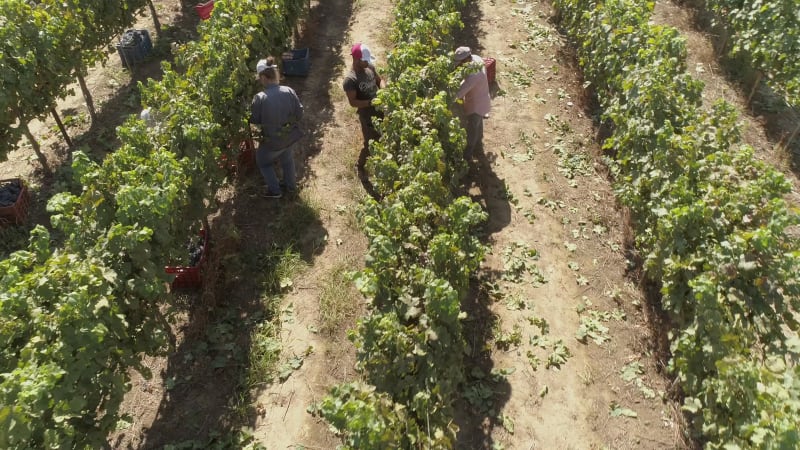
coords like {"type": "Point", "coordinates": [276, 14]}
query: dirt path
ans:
{"type": "Point", "coordinates": [545, 195]}
{"type": "Point", "coordinates": [320, 304]}
{"type": "Point", "coordinates": [330, 178]}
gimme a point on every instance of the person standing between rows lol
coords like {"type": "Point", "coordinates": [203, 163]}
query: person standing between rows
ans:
{"type": "Point", "coordinates": [278, 111]}
{"type": "Point", "coordinates": [361, 85]}
{"type": "Point", "coordinates": [474, 92]}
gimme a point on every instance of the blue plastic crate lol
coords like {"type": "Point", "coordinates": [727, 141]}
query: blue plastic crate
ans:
{"type": "Point", "coordinates": [296, 62]}
{"type": "Point", "coordinates": [133, 47]}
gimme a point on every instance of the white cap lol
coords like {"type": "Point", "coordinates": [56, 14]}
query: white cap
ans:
{"type": "Point", "coordinates": [366, 55]}
{"type": "Point", "coordinates": [263, 65]}
{"type": "Point", "coordinates": [462, 53]}
{"type": "Point", "coordinates": [147, 117]}
{"type": "Point", "coordinates": [362, 52]}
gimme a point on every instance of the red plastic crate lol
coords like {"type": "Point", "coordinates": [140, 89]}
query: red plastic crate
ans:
{"type": "Point", "coordinates": [491, 68]}
{"type": "Point", "coordinates": [18, 212]}
{"type": "Point", "coordinates": [190, 277]}
{"type": "Point", "coordinates": [204, 9]}
{"type": "Point", "coordinates": [245, 158]}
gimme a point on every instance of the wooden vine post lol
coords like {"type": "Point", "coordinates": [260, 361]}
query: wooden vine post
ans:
{"type": "Point", "coordinates": [759, 75]}
{"type": "Point", "coordinates": [61, 126]}
{"type": "Point", "coordinates": [792, 137]}
{"type": "Point", "coordinates": [87, 95]}
{"type": "Point", "coordinates": [156, 23]}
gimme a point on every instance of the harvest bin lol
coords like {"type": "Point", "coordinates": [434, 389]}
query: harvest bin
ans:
{"type": "Point", "coordinates": [296, 62]}
{"type": "Point", "coordinates": [190, 277]}
{"type": "Point", "coordinates": [491, 69]}
{"type": "Point", "coordinates": [18, 211]}
{"type": "Point", "coordinates": [245, 160]}
{"type": "Point", "coordinates": [204, 9]}
{"type": "Point", "coordinates": [247, 156]}
{"type": "Point", "coordinates": [133, 47]}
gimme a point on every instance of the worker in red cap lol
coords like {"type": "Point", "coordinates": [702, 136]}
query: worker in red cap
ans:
{"type": "Point", "coordinates": [361, 85]}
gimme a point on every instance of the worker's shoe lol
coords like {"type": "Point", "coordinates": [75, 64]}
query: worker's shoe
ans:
{"type": "Point", "coordinates": [269, 194]}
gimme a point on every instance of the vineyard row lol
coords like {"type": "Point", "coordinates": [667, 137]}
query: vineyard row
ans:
{"type": "Point", "coordinates": [768, 32]}
{"type": "Point", "coordinates": [423, 248]}
{"type": "Point", "coordinates": [75, 319]}
{"type": "Point", "coordinates": [711, 223]}
{"type": "Point", "coordinates": [46, 46]}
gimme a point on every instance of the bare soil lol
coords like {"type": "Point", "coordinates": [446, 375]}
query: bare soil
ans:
{"type": "Point", "coordinates": [560, 256]}
{"type": "Point", "coordinates": [544, 188]}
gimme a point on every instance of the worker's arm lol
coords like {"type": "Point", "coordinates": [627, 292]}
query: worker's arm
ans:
{"type": "Point", "coordinates": [298, 107]}
{"type": "Point", "coordinates": [255, 112]}
{"type": "Point", "coordinates": [354, 102]}
{"type": "Point", "coordinates": [378, 79]}
{"type": "Point", "coordinates": [466, 86]}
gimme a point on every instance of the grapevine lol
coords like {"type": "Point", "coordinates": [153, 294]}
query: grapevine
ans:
{"type": "Point", "coordinates": [422, 250]}
{"type": "Point", "coordinates": [711, 222]}
{"type": "Point", "coordinates": [76, 318]}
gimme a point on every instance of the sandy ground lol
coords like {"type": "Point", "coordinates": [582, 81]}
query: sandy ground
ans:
{"type": "Point", "coordinates": [559, 263]}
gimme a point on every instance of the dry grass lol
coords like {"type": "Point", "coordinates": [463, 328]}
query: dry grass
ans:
{"type": "Point", "coordinates": [338, 300]}
{"type": "Point", "coordinates": [265, 351]}
{"type": "Point", "coordinates": [586, 375]}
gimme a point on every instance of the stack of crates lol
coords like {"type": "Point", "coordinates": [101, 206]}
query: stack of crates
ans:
{"type": "Point", "coordinates": [133, 47]}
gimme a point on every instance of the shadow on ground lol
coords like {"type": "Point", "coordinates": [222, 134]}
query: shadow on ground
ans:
{"type": "Point", "coordinates": [231, 339]}
{"type": "Point", "coordinates": [486, 390]}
